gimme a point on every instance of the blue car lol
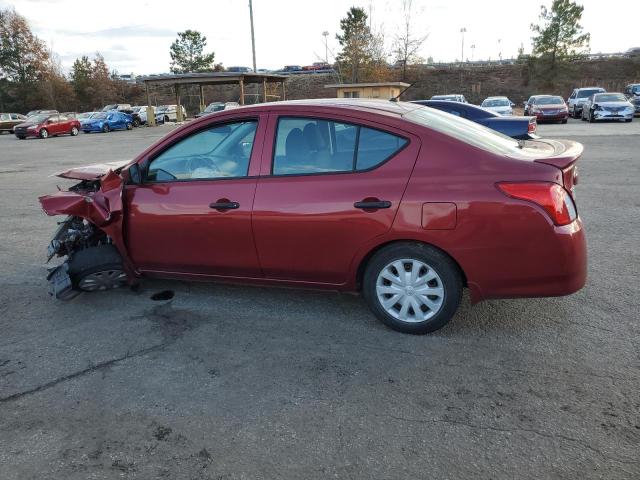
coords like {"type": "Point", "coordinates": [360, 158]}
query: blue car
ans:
{"type": "Point", "coordinates": [107, 121]}
{"type": "Point", "coordinates": [520, 128]}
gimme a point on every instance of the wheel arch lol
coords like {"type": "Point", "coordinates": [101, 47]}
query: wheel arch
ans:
{"type": "Point", "coordinates": [365, 260]}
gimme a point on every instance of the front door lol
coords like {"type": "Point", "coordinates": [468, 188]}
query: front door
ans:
{"type": "Point", "coordinates": [192, 214]}
{"type": "Point", "coordinates": [332, 188]}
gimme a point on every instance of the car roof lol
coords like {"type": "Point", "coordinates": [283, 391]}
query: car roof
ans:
{"type": "Point", "coordinates": [589, 88]}
{"type": "Point", "coordinates": [372, 105]}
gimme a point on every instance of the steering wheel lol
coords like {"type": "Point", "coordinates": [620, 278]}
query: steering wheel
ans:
{"type": "Point", "coordinates": [196, 162]}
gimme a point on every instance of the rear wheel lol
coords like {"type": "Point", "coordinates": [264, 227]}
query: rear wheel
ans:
{"type": "Point", "coordinates": [97, 268]}
{"type": "Point", "coordinates": [44, 133]}
{"type": "Point", "coordinates": [105, 128]}
{"type": "Point", "coordinates": [21, 137]}
{"type": "Point", "coordinates": [166, 119]}
{"type": "Point", "coordinates": [412, 288]}
{"type": "Point", "coordinates": [564, 121]}
{"type": "Point", "coordinates": [628, 120]}
{"type": "Point", "coordinates": [136, 122]}
{"type": "Point", "coordinates": [129, 126]}
{"type": "Point", "coordinates": [591, 119]}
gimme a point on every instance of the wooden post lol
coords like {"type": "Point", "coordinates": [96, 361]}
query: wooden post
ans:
{"type": "Point", "coordinates": [264, 90]}
{"type": "Point", "coordinates": [241, 82]}
{"type": "Point", "coordinates": [202, 102]}
{"type": "Point", "coordinates": [151, 114]}
{"type": "Point", "coordinates": [284, 95]}
{"type": "Point", "coordinates": [179, 117]}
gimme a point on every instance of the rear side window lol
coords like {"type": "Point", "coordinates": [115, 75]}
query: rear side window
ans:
{"type": "Point", "coordinates": [313, 146]}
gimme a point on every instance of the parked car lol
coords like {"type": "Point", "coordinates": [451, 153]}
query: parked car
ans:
{"type": "Point", "coordinates": [578, 97]}
{"type": "Point", "coordinates": [317, 66]}
{"type": "Point", "coordinates": [292, 68]}
{"type": "Point", "coordinates": [10, 120]}
{"type": "Point", "coordinates": [107, 121]}
{"type": "Point", "coordinates": [548, 108]}
{"type": "Point", "coordinates": [168, 113]}
{"type": "Point", "coordinates": [135, 116]}
{"type": "Point", "coordinates": [240, 70]}
{"type": "Point", "coordinates": [217, 107]}
{"type": "Point", "coordinates": [404, 203]}
{"type": "Point", "coordinates": [633, 94]}
{"type": "Point", "coordinates": [46, 125]}
{"type": "Point", "coordinates": [500, 105]}
{"type": "Point", "coordinates": [41, 112]}
{"type": "Point", "coordinates": [117, 106]}
{"type": "Point", "coordinates": [452, 98]}
{"type": "Point", "coordinates": [608, 106]}
{"type": "Point", "coordinates": [521, 128]}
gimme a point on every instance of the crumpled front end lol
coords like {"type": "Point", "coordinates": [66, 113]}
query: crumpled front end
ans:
{"type": "Point", "coordinates": [93, 226]}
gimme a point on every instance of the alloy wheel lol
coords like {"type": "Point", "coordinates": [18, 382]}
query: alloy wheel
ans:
{"type": "Point", "coordinates": [104, 280]}
{"type": "Point", "coordinates": [410, 290]}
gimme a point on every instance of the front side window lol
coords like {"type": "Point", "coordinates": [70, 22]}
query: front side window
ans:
{"type": "Point", "coordinates": [310, 145]}
{"type": "Point", "coordinates": [222, 151]}
{"type": "Point", "coordinates": [5, 116]}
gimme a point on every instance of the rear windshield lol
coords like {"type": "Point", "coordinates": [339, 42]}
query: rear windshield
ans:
{"type": "Point", "coordinates": [444, 97]}
{"type": "Point", "coordinates": [588, 93]}
{"type": "Point", "coordinates": [610, 97]}
{"type": "Point", "coordinates": [465, 131]}
{"type": "Point", "coordinates": [549, 101]}
{"type": "Point", "coordinates": [99, 115]}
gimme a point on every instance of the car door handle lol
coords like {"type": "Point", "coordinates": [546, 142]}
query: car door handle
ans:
{"type": "Point", "coordinates": [373, 204]}
{"type": "Point", "coordinates": [224, 205]}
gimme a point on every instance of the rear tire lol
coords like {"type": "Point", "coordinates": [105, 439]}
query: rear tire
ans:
{"type": "Point", "coordinates": [591, 119]}
{"type": "Point", "coordinates": [21, 137]}
{"type": "Point", "coordinates": [427, 291]}
{"type": "Point", "coordinates": [96, 269]}
{"type": "Point", "coordinates": [628, 120]}
{"type": "Point", "coordinates": [105, 128]}
{"type": "Point", "coordinates": [129, 126]}
{"type": "Point", "coordinates": [564, 121]}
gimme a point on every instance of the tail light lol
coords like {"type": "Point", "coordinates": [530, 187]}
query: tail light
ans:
{"type": "Point", "coordinates": [533, 125]}
{"type": "Point", "coordinates": [553, 198]}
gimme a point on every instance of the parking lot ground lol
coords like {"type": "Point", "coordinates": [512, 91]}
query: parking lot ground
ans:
{"type": "Point", "coordinates": [230, 382]}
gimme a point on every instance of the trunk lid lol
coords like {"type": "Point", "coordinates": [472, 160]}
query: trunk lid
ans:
{"type": "Point", "coordinates": [562, 154]}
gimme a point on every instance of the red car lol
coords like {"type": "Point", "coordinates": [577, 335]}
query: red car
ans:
{"type": "Point", "coordinates": [548, 108]}
{"type": "Point", "coordinates": [47, 125]}
{"type": "Point", "coordinates": [402, 202]}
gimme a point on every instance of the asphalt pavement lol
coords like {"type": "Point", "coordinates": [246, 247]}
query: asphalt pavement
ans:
{"type": "Point", "coordinates": [234, 382]}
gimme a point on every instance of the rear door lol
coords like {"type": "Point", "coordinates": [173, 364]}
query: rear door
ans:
{"type": "Point", "coordinates": [328, 186]}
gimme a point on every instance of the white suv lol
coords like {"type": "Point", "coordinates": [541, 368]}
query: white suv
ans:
{"type": "Point", "coordinates": [578, 98]}
{"type": "Point", "coordinates": [170, 112]}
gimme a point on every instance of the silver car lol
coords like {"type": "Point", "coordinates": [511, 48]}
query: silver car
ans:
{"type": "Point", "coordinates": [578, 97]}
{"type": "Point", "coordinates": [607, 106]}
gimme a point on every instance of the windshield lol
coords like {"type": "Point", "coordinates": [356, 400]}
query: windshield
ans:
{"type": "Point", "coordinates": [163, 108]}
{"type": "Point", "coordinates": [610, 97]}
{"type": "Point", "coordinates": [38, 118]}
{"type": "Point", "coordinates": [214, 107]}
{"type": "Point", "coordinates": [496, 102]}
{"type": "Point", "coordinates": [588, 93]}
{"type": "Point", "coordinates": [636, 89]}
{"type": "Point", "coordinates": [549, 101]}
{"type": "Point", "coordinates": [464, 130]}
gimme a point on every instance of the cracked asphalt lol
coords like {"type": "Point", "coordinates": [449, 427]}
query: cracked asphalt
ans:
{"type": "Point", "coordinates": [232, 382]}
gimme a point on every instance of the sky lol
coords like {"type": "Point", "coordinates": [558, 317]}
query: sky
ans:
{"type": "Point", "coordinates": [134, 35]}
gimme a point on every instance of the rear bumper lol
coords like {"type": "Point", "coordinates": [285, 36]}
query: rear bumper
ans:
{"type": "Point", "coordinates": [555, 268]}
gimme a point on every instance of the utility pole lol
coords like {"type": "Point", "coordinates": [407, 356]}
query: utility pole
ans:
{"type": "Point", "coordinates": [325, 34]}
{"type": "Point", "coordinates": [499, 49]}
{"type": "Point", "coordinates": [473, 49]}
{"type": "Point", "coordinates": [253, 39]}
{"type": "Point", "coordinates": [462, 31]}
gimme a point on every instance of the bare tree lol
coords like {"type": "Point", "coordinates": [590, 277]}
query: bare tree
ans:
{"type": "Point", "coordinates": [407, 43]}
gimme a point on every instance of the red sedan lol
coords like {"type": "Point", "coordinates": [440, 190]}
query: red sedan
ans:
{"type": "Point", "coordinates": [549, 108]}
{"type": "Point", "coordinates": [46, 125]}
{"type": "Point", "coordinates": [404, 203]}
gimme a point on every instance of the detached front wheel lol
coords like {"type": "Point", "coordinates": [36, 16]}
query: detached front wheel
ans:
{"type": "Point", "coordinates": [412, 288]}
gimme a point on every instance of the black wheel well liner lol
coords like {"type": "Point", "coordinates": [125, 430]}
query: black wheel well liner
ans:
{"type": "Point", "coordinates": [365, 261]}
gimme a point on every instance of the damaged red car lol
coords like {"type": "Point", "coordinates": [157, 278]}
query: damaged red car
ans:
{"type": "Point", "coordinates": [403, 203]}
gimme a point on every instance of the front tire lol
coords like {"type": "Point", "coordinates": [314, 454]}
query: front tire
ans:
{"type": "Point", "coordinates": [591, 119]}
{"type": "Point", "coordinates": [44, 133]}
{"type": "Point", "coordinates": [96, 269]}
{"type": "Point", "coordinates": [74, 131]}
{"type": "Point", "coordinates": [129, 126]}
{"type": "Point", "coordinates": [105, 128]}
{"type": "Point", "coordinates": [412, 288]}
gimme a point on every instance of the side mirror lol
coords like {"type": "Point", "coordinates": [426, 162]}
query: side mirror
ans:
{"type": "Point", "coordinates": [135, 174]}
